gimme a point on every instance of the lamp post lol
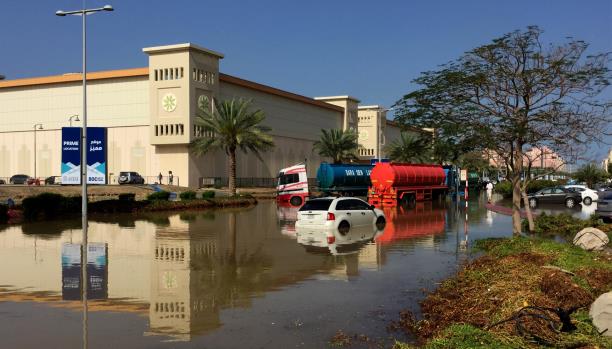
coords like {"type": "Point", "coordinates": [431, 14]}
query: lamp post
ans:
{"type": "Point", "coordinates": [74, 117]}
{"type": "Point", "coordinates": [36, 127]}
{"type": "Point", "coordinates": [83, 13]}
{"type": "Point", "coordinates": [84, 280]}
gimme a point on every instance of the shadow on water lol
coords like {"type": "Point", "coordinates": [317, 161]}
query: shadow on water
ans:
{"type": "Point", "coordinates": [209, 275]}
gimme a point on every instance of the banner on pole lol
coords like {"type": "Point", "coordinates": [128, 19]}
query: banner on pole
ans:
{"type": "Point", "coordinates": [96, 155]}
{"type": "Point", "coordinates": [71, 155]}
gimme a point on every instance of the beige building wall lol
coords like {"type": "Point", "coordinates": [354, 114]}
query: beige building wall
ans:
{"type": "Point", "coordinates": [350, 106]}
{"type": "Point", "coordinates": [391, 133]}
{"type": "Point", "coordinates": [372, 127]}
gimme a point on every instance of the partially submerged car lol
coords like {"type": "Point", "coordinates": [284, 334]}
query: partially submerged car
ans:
{"type": "Point", "coordinates": [555, 195]}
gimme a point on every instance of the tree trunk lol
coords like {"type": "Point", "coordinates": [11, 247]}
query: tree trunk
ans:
{"type": "Point", "coordinates": [528, 211]}
{"type": "Point", "coordinates": [516, 203]}
{"type": "Point", "coordinates": [232, 172]}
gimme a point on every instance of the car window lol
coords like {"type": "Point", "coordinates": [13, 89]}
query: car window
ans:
{"type": "Point", "coordinates": [316, 205]}
{"type": "Point", "coordinates": [558, 191]}
{"type": "Point", "coordinates": [607, 196]}
{"type": "Point", "coordinates": [545, 191]}
{"type": "Point", "coordinates": [359, 205]}
{"type": "Point", "coordinates": [344, 205]}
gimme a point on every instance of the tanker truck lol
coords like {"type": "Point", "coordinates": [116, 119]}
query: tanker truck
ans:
{"type": "Point", "coordinates": [344, 179]}
{"type": "Point", "coordinates": [404, 184]}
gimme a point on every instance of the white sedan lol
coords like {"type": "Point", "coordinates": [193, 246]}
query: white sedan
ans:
{"type": "Point", "coordinates": [588, 195]}
{"type": "Point", "coordinates": [338, 216]}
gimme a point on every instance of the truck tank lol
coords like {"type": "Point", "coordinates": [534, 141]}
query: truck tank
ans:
{"type": "Point", "coordinates": [388, 175]}
{"type": "Point", "coordinates": [344, 177]}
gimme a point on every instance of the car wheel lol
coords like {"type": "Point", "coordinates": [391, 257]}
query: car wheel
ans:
{"type": "Point", "coordinates": [570, 203]}
{"type": "Point", "coordinates": [295, 201]}
{"type": "Point", "coordinates": [533, 203]}
{"type": "Point", "coordinates": [587, 201]}
{"type": "Point", "coordinates": [344, 227]}
{"type": "Point", "coordinates": [380, 223]}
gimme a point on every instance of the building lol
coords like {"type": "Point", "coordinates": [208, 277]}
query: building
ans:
{"type": "Point", "coordinates": [150, 115]}
{"type": "Point", "coordinates": [536, 157]}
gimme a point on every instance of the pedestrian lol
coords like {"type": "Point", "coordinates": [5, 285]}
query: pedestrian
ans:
{"type": "Point", "coordinates": [170, 177]}
{"type": "Point", "coordinates": [489, 191]}
{"type": "Point", "coordinates": [160, 177]}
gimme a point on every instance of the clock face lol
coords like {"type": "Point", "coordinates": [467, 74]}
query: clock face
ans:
{"type": "Point", "coordinates": [169, 102]}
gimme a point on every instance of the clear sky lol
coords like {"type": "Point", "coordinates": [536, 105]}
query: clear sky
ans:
{"type": "Point", "coordinates": [369, 49]}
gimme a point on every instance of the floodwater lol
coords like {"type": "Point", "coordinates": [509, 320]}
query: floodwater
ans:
{"type": "Point", "coordinates": [225, 279]}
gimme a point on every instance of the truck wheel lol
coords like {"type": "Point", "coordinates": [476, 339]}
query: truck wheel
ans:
{"type": "Point", "coordinates": [408, 201]}
{"type": "Point", "coordinates": [587, 201]}
{"type": "Point", "coordinates": [295, 201]}
{"type": "Point", "coordinates": [569, 203]}
{"type": "Point", "coordinates": [344, 227]}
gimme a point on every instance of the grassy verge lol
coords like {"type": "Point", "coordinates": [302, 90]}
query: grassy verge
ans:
{"type": "Point", "coordinates": [566, 226]}
{"type": "Point", "coordinates": [47, 206]}
{"type": "Point", "coordinates": [513, 274]}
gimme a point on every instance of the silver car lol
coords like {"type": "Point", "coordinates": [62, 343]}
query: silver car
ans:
{"type": "Point", "coordinates": [604, 206]}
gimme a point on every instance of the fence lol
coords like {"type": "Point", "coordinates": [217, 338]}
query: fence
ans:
{"type": "Point", "coordinates": [218, 182]}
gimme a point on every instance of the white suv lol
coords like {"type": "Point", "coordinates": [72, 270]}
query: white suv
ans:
{"type": "Point", "coordinates": [588, 195]}
{"type": "Point", "coordinates": [339, 214]}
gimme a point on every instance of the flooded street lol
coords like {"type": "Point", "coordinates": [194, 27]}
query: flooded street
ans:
{"type": "Point", "coordinates": [225, 279]}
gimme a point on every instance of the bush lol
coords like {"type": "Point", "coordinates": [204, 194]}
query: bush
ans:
{"type": "Point", "coordinates": [50, 205]}
{"type": "Point", "coordinates": [565, 225]}
{"type": "Point", "coordinates": [127, 197]}
{"type": "Point", "coordinates": [3, 213]}
{"type": "Point", "coordinates": [504, 188]}
{"type": "Point", "coordinates": [188, 195]}
{"type": "Point", "coordinates": [209, 194]}
{"type": "Point", "coordinates": [159, 195]}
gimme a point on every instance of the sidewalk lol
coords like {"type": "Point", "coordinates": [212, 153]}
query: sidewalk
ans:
{"type": "Point", "coordinates": [506, 210]}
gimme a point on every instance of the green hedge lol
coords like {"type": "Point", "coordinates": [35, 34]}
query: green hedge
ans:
{"type": "Point", "coordinates": [505, 188]}
{"type": "Point", "coordinates": [50, 206]}
{"type": "Point", "coordinates": [566, 225]}
{"type": "Point", "coordinates": [160, 195]}
{"type": "Point", "coordinates": [209, 194]}
{"type": "Point", "coordinates": [188, 195]}
{"type": "Point", "coordinates": [127, 196]}
{"type": "Point", "coordinates": [3, 213]}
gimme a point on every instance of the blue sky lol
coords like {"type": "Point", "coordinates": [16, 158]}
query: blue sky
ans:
{"type": "Point", "coordinates": [369, 49]}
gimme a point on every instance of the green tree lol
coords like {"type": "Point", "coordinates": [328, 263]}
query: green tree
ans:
{"type": "Point", "coordinates": [230, 125]}
{"type": "Point", "coordinates": [513, 94]}
{"type": "Point", "coordinates": [339, 145]}
{"type": "Point", "coordinates": [590, 174]}
{"type": "Point", "coordinates": [609, 169]}
{"type": "Point", "coordinates": [410, 148]}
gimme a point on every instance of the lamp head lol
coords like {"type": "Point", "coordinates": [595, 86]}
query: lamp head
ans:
{"type": "Point", "coordinates": [60, 13]}
{"type": "Point", "coordinates": [77, 118]}
{"type": "Point", "coordinates": [108, 8]}
{"type": "Point", "coordinates": [40, 127]}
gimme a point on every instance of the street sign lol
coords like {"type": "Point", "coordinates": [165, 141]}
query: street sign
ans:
{"type": "Point", "coordinates": [463, 175]}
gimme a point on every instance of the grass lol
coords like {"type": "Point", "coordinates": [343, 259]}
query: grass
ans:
{"type": "Point", "coordinates": [512, 274]}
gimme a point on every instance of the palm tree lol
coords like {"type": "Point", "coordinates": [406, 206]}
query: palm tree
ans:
{"type": "Point", "coordinates": [338, 144]}
{"type": "Point", "coordinates": [231, 126]}
{"type": "Point", "coordinates": [409, 148]}
{"type": "Point", "coordinates": [590, 174]}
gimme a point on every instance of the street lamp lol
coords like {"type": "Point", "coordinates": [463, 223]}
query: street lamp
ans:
{"type": "Point", "coordinates": [83, 13]}
{"type": "Point", "coordinates": [36, 127]}
{"type": "Point", "coordinates": [74, 117]}
{"type": "Point", "coordinates": [2, 77]}
{"type": "Point", "coordinates": [84, 279]}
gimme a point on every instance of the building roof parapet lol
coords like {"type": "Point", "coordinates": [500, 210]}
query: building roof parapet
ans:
{"type": "Point", "coordinates": [180, 47]}
{"type": "Point", "coordinates": [336, 98]}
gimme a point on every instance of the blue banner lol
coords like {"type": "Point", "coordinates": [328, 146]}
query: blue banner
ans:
{"type": "Point", "coordinates": [71, 155]}
{"type": "Point", "coordinates": [96, 155]}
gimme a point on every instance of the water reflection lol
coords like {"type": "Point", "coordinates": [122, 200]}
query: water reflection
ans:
{"type": "Point", "coordinates": [180, 273]}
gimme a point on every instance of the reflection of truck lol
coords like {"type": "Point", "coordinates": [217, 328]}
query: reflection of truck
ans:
{"type": "Point", "coordinates": [344, 179]}
{"type": "Point", "coordinates": [292, 185]}
{"type": "Point", "coordinates": [404, 184]}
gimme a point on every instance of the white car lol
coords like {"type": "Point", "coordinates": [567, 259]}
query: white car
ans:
{"type": "Point", "coordinates": [588, 195]}
{"type": "Point", "coordinates": [337, 216]}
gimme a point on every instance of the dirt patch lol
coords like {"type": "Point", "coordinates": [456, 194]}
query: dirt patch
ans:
{"type": "Point", "coordinates": [514, 295]}
{"type": "Point", "coordinates": [559, 288]}
{"type": "Point", "coordinates": [600, 280]}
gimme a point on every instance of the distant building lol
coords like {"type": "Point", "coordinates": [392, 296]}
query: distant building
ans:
{"type": "Point", "coordinates": [538, 157]}
{"type": "Point", "coordinates": [150, 114]}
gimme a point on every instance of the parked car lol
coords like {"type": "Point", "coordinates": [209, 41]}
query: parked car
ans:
{"type": "Point", "coordinates": [339, 215]}
{"type": "Point", "coordinates": [19, 179]}
{"type": "Point", "coordinates": [2, 181]}
{"type": "Point", "coordinates": [51, 180]}
{"type": "Point", "coordinates": [604, 206]}
{"type": "Point", "coordinates": [588, 195]}
{"type": "Point", "coordinates": [130, 177]}
{"type": "Point", "coordinates": [555, 195]}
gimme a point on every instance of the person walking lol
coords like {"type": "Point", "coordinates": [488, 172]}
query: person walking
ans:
{"type": "Point", "coordinates": [160, 177]}
{"type": "Point", "coordinates": [489, 191]}
{"type": "Point", "coordinates": [170, 178]}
